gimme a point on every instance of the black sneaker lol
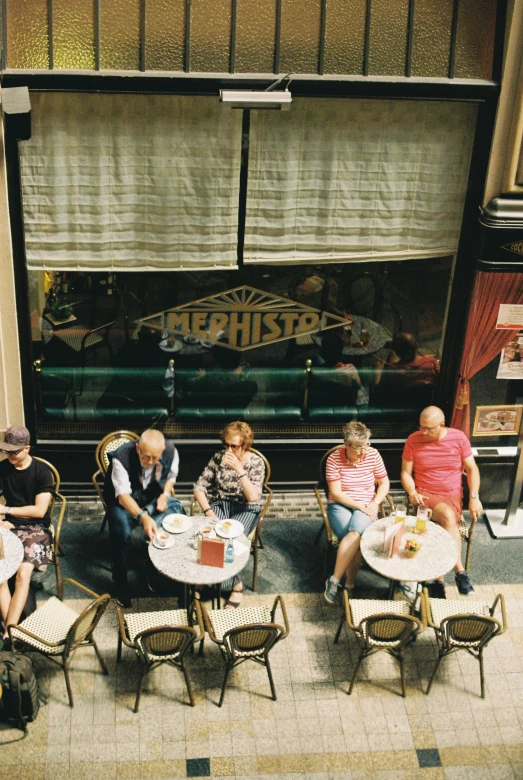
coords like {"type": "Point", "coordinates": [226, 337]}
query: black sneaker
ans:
{"type": "Point", "coordinates": [437, 590]}
{"type": "Point", "coordinates": [123, 599]}
{"type": "Point", "coordinates": [464, 584]}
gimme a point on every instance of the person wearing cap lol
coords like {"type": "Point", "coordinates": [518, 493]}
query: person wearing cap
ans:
{"type": "Point", "coordinates": [137, 488]}
{"type": "Point", "coordinates": [27, 486]}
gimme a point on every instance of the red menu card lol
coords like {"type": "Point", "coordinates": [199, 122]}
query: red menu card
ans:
{"type": "Point", "coordinates": [212, 552]}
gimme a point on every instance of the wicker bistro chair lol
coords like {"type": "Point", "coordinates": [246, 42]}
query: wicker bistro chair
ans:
{"type": "Point", "coordinates": [246, 633]}
{"type": "Point", "coordinates": [108, 444]}
{"type": "Point", "coordinates": [255, 537]}
{"type": "Point", "coordinates": [158, 638]}
{"type": "Point", "coordinates": [57, 630]}
{"type": "Point", "coordinates": [465, 531]}
{"type": "Point", "coordinates": [321, 491]}
{"type": "Point", "coordinates": [463, 625]}
{"type": "Point", "coordinates": [57, 500]}
{"type": "Point", "coordinates": [380, 625]}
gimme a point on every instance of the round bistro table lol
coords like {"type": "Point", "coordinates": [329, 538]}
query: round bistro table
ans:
{"type": "Point", "coordinates": [179, 561]}
{"type": "Point", "coordinates": [13, 554]}
{"type": "Point", "coordinates": [437, 556]}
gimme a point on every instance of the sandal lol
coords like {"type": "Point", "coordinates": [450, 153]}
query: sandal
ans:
{"type": "Point", "coordinates": [234, 604]}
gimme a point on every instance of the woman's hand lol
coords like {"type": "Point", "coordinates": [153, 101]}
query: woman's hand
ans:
{"type": "Point", "coordinates": [231, 460]}
{"type": "Point", "coordinates": [372, 509]}
{"type": "Point", "coordinates": [6, 524]}
{"type": "Point", "coordinates": [211, 515]}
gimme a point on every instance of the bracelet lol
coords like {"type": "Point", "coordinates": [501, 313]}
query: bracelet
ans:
{"type": "Point", "coordinates": [243, 475]}
{"type": "Point", "coordinates": [207, 510]}
{"type": "Point", "coordinates": [167, 495]}
{"type": "Point", "coordinates": [139, 515]}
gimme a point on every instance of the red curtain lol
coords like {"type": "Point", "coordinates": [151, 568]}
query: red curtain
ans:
{"type": "Point", "coordinates": [482, 341]}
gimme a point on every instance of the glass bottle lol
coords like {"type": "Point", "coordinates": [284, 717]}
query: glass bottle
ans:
{"type": "Point", "coordinates": [229, 552]}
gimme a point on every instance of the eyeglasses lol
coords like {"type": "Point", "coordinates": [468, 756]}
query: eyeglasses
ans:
{"type": "Point", "coordinates": [228, 446]}
{"type": "Point", "coordinates": [360, 449]}
{"type": "Point", "coordinates": [149, 458]}
{"type": "Point", "coordinates": [433, 428]}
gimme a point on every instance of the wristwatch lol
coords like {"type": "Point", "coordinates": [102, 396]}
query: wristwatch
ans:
{"type": "Point", "coordinates": [474, 495]}
{"type": "Point", "coordinates": [8, 511]}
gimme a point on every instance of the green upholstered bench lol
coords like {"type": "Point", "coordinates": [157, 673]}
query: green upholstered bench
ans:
{"type": "Point", "coordinates": [249, 394]}
{"type": "Point", "coordinates": [103, 393]}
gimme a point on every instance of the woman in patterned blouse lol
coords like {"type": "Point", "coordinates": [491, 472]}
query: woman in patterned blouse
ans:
{"type": "Point", "coordinates": [230, 488]}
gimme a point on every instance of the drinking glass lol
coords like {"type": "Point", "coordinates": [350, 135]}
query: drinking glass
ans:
{"type": "Point", "coordinates": [422, 515]}
{"type": "Point", "coordinates": [401, 511]}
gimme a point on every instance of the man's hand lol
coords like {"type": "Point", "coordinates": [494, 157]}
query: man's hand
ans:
{"type": "Point", "coordinates": [161, 503]}
{"type": "Point", "coordinates": [149, 526]}
{"type": "Point", "coordinates": [415, 499]}
{"type": "Point", "coordinates": [372, 510]}
{"type": "Point", "coordinates": [6, 524]}
{"type": "Point", "coordinates": [475, 508]}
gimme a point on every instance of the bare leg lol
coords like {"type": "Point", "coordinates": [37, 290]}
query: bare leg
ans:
{"type": "Point", "coordinates": [236, 594]}
{"type": "Point", "coordinates": [349, 557]}
{"type": "Point", "coordinates": [445, 517]}
{"type": "Point", "coordinates": [19, 597]}
{"type": "Point", "coordinates": [5, 600]}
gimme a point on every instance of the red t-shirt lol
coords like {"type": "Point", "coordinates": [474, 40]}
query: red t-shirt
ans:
{"type": "Point", "coordinates": [438, 465]}
{"type": "Point", "coordinates": [357, 479]}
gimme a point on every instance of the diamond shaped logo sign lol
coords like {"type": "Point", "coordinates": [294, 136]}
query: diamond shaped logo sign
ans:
{"type": "Point", "coordinates": [242, 318]}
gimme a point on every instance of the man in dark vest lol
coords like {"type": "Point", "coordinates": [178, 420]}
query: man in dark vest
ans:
{"type": "Point", "coordinates": [138, 487]}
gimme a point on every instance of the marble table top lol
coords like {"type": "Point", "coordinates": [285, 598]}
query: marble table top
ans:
{"type": "Point", "coordinates": [179, 561]}
{"type": "Point", "coordinates": [13, 554]}
{"type": "Point", "coordinates": [437, 556]}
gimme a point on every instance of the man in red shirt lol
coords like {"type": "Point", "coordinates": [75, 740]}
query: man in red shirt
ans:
{"type": "Point", "coordinates": [433, 460]}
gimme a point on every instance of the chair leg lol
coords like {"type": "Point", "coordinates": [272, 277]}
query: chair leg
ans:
{"type": "Point", "coordinates": [226, 677]}
{"type": "Point", "coordinates": [481, 673]}
{"type": "Point", "coordinates": [68, 683]}
{"type": "Point", "coordinates": [98, 655]}
{"type": "Point", "coordinates": [143, 672]}
{"type": "Point", "coordinates": [61, 549]}
{"type": "Point", "coordinates": [338, 632]}
{"type": "Point", "coordinates": [440, 656]}
{"type": "Point", "coordinates": [358, 664]}
{"type": "Point", "coordinates": [319, 534]}
{"type": "Point", "coordinates": [119, 649]}
{"type": "Point", "coordinates": [260, 542]}
{"type": "Point", "coordinates": [255, 567]}
{"type": "Point", "coordinates": [467, 556]}
{"type": "Point", "coordinates": [187, 682]}
{"type": "Point", "coordinates": [271, 681]}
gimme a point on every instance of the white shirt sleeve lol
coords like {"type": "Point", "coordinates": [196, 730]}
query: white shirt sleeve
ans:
{"type": "Point", "coordinates": [120, 480]}
{"type": "Point", "coordinates": [175, 466]}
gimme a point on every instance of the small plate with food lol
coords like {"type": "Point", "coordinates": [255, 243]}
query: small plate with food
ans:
{"type": "Point", "coordinates": [229, 529]}
{"type": "Point", "coordinates": [177, 524]}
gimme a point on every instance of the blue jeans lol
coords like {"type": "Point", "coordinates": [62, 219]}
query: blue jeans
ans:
{"type": "Point", "coordinates": [343, 519]}
{"type": "Point", "coordinates": [121, 524]}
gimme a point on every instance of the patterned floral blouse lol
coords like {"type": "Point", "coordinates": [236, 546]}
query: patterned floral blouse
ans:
{"type": "Point", "coordinates": [219, 481]}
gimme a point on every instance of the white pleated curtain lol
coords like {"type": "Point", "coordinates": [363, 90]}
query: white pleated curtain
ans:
{"type": "Point", "coordinates": [336, 180]}
{"type": "Point", "coordinates": [131, 182]}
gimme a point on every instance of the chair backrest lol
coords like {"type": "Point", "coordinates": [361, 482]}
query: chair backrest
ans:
{"type": "Point", "coordinates": [388, 630]}
{"type": "Point", "coordinates": [164, 642]}
{"type": "Point", "coordinates": [110, 443]}
{"type": "Point", "coordinates": [266, 463]}
{"type": "Point", "coordinates": [54, 472]}
{"type": "Point", "coordinates": [322, 482]}
{"type": "Point", "coordinates": [468, 630]}
{"type": "Point", "coordinates": [96, 335]}
{"type": "Point", "coordinates": [252, 640]}
{"type": "Point", "coordinates": [86, 622]}
{"type": "Point", "coordinates": [56, 496]}
{"type": "Point", "coordinates": [364, 294]}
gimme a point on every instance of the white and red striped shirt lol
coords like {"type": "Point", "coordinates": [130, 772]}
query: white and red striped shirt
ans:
{"type": "Point", "coordinates": [357, 479]}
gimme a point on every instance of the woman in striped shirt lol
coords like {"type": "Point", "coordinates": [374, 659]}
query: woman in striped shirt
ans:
{"type": "Point", "coordinates": [358, 483]}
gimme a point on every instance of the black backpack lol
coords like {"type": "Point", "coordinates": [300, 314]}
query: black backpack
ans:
{"type": "Point", "coordinates": [19, 689]}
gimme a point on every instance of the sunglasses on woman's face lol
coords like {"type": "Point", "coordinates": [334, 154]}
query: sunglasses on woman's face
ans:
{"type": "Point", "coordinates": [228, 446]}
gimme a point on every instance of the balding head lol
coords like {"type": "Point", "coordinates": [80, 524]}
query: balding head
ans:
{"type": "Point", "coordinates": [432, 422]}
{"type": "Point", "coordinates": [150, 447]}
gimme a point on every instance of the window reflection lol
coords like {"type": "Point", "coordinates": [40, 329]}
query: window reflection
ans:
{"type": "Point", "coordinates": [146, 345]}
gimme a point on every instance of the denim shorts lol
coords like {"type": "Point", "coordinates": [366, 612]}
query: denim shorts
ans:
{"type": "Point", "coordinates": [343, 519]}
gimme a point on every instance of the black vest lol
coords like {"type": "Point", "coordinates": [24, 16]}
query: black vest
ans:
{"type": "Point", "coordinates": [128, 457]}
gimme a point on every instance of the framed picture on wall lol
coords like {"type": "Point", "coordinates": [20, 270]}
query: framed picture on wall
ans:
{"type": "Point", "coordinates": [497, 420]}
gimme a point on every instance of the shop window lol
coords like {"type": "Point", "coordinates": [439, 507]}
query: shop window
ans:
{"type": "Point", "coordinates": [294, 346]}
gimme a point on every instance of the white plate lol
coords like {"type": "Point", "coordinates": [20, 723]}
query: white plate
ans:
{"type": "Point", "coordinates": [511, 416]}
{"type": "Point", "coordinates": [176, 529]}
{"type": "Point", "coordinates": [230, 533]}
{"type": "Point", "coordinates": [489, 425]}
{"type": "Point", "coordinates": [171, 540]}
